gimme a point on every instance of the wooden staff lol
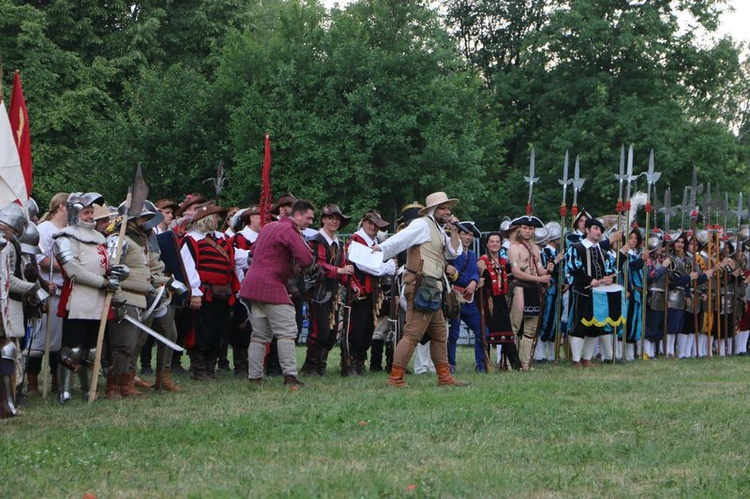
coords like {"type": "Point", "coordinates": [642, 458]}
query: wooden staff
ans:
{"type": "Point", "coordinates": [108, 302]}
{"type": "Point", "coordinates": [48, 332]}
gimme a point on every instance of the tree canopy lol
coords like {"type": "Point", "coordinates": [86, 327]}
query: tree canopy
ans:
{"type": "Point", "coordinates": [379, 103]}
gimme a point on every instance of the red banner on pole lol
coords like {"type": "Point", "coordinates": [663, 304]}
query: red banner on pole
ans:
{"type": "Point", "coordinates": [19, 123]}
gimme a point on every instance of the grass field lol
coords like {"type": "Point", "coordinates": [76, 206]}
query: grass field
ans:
{"type": "Point", "coordinates": [655, 429]}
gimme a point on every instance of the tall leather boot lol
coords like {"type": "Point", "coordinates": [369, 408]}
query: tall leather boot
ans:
{"type": "Point", "coordinates": [445, 378]}
{"type": "Point", "coordinates": [239, 356]}
{"type": "Point", "coordinates": [32, 384]}
{"type": "Point", "coordinates": [376, 356]}
{"type": "Point", "coordinates": [322, 361]}
{"type": "Point", "coordinates": [127, 385]}
{"type": "Point", "coordinates": [197, 365]}
{"type": "Point", "coordinates": [112, 391]}
{"type": "Point", "coordinates": [397, 376]}
{"type": "Point", "coordinates": [310, 365]}
{"type": "Point", "coordinates": [164, 381]}
{"type": "Point", "coordinates": [212, 358]}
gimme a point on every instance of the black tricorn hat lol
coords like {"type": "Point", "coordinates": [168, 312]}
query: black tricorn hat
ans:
{"type": "Point", "coordinates": [529, 220]}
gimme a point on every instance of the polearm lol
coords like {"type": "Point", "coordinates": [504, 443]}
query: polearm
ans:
{"type": "Point", "coordinates": [133, 206]}
{"type": "Point", "coordinates": [48, 330]}
{"type": "Point", "coordinates": [651, 178]}
{"type": "Point", "coordinates": [564, 182]}
{"type": "Point", "coordinates": [723, 279]}
{"type": "Point", "coordinates": [629, 178]}
{"type": "Point", "coordinates": [621, 177]}
{"type": "Point", "coordinates": [531, 179]}
{"type": "Point", "coordinates": [709, 265]}
{"type": "Point", "coordinates": [695, 188]}
{"type": "Point", "coordinates": [108, 301]}
{"type": "Point", "coordinates": [666, 211]}
{"type": "Point", "coordinates": [740, 213]}
{"type": "Point", "coordinates": [577, 186]}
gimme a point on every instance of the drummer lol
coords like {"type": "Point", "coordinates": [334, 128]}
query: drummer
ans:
{"type": "Point", "coordinates": [589, 267]}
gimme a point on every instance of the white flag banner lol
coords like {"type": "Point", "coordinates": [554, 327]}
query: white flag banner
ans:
{"type": "Point", "coordinates": [12, 184]}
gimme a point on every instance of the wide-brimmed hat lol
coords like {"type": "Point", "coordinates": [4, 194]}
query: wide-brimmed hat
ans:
{"type": "Point", "coordinates": [287, 199]}
{"type": "Point", "coordinates": [374, 217]}
{"type": "Point", "coordinates": [163, 204]}
{"type": "Point", "coordinates": [331, 209]}
{"type": "Point", "coordinates": [436, 199]}
{"type": "Point", "coordinates": [208, 208]}
{"type": "Point", "coordinates": [191, 201]}
{"type": "Point", "coordinates": [469, 227]}
{"type": "Point", "coordinates": [246, 213]}
{"type": "Point", "coordinates": [528, 220]}
{"type": "Point", "coordinates": [102, 211]}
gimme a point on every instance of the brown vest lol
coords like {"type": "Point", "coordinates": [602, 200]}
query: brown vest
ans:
{"type": "Point", "coordinates": [432, 253]}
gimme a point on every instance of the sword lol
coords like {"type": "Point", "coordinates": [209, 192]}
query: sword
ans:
{"type": "Point", "coordinates": [171, 344]}
{"type": "Point", "coordinates": [531, 180]}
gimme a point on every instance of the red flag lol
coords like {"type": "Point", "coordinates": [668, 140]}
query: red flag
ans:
{"type": "Point", "coordinates": [266, 198]}
{"type": "Point", "coordinates": [19, 123]}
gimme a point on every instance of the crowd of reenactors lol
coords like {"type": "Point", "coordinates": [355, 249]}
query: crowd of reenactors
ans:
{"type": "Point", "coordinates": [88, 287]}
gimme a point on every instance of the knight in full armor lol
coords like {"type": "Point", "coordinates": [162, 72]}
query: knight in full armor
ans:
{"type": "Point", "coordinates": [332, 271]}
{"type": "Point", "coordinates": [80, 252]}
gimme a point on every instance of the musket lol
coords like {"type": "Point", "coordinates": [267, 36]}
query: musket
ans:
{"type": "Point", "coordinates": [651, 178]}
{"type": "Point", "coordinates": [531, 179]}
{"type": "Point", "coordinates": [564, 182]}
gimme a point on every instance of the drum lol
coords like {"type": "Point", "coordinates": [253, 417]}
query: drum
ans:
{"type": "Point", "coordinates": [609, 306]}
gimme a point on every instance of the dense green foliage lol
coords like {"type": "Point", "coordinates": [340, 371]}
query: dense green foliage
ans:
{"type": "Point", "coordinates": [379, 103]}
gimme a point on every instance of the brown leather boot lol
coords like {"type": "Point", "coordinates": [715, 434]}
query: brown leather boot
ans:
{"type": "Point", "coordinates": [32, 384]}
{"type": "Point", "coordinates": [127, 385]}
{"type": "Point", "coordinates": [112, 391]}
{"type": "Point", "coordinates": [139, 383]}
{"type": "Point", "coordinates": [445, 378]}
{"type": "Point", "coordinates": [397, 376]}
{"type": "Point", "coordinates": [164, 381]}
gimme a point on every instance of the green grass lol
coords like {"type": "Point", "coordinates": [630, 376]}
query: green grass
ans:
{"type": "Point", "coordinates": [656, 428]}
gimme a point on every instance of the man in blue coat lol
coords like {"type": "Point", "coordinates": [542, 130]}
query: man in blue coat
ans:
{"type": "Point", "coordinates": [464, 275]}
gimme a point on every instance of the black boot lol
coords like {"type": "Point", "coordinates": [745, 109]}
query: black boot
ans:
{"type": "Point", "coordinates": [239, 357]}
{"type": "Point", "coordinates": [322, 362]}
{"type": "Point", "coordinates": [376, 356]}
{"type": "Point", "coordinates": [310, 366]}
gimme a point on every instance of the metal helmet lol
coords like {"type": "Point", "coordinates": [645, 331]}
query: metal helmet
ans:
{"type": "Point", "coordinates": [77, 201]}
{"type": "Point", "coordinates": [14, 217]}
{"type": "Point", "coordinates": [702, 237]}
{"type": "Point", "coordinates": [655, 241]}
{"type": "Point", "coordinates": [29, 240]}
{"type": "Point", "coordinates": [541, 236]}
{"type": "Point", "coordinates": [33, 209]}
{"type": "Point", "coordinates": [744, 233]}
{"type": "Point", "coordinates": [555, 230]}
{"type": "Point", "coordinates": [156, 218]}
{"type": "Point", "coordinates": [148, 211]}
